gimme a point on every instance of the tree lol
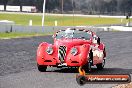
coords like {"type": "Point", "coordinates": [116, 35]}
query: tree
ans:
{"type": "Point", "coordinates": [126, 6]}
{"type": "Point", "coordinates": [39, 5]}
{"type": "Point", "coordinates": [113, 6]}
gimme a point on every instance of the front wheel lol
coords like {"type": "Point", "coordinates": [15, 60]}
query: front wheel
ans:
{"type": "Point", "coordinates": [89, 63]}
{"type": "Point", "coordinates": [41, 68]}
{"type": "Point", "coordinates": [87, 66]}
{"type": "Point", "coordinates": [101, 65]}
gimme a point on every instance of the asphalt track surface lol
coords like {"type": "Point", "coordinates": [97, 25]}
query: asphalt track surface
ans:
{"type": "Point", "coordinates": [18, 66]}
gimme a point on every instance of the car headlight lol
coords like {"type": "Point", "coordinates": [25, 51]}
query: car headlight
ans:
{"type": "Point", "coordinates": [49, 50]}
{"type": "Point", "coordinates": [74, 51]}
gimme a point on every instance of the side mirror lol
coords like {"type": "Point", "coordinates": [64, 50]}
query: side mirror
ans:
{"type": "Point", "coordinates": [98, 40]}
{"type": "Point", "coordinates": [53, 36]}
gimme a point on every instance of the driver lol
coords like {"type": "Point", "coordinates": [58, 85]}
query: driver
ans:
{"type": "Point", "coordinates": [69, 33]}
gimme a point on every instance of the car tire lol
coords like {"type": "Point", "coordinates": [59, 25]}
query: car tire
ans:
{"type": "Point", "coordinates": [101, 65]}
{"type": "Point", "coordinates": [87, 66]}
{"type": "Point", "coordinates": [41, 68]}
{"type": "Point", "coordinates": [91, 57]}
{"type": "Point", "coordinates": [89, 63]}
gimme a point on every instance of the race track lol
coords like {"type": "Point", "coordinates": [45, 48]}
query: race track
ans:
{"type": "Point", "coordinates": [18, 66]}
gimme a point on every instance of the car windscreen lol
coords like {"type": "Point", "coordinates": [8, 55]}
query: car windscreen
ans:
{"type": "Point", "coordinates": [77, 34]}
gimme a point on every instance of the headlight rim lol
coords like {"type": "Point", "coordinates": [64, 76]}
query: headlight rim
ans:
{"type": "Point", "coordinates": [49, 50]}
{"type": "Point", "coordinates": [74, 51]}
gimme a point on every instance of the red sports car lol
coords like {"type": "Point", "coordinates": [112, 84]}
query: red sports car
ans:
{"type": "Point", "coordinates": [72, 48]}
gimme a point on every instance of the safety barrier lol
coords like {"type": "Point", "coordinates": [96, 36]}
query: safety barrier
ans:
{"type": "Point", "coordinates": [40, 29]}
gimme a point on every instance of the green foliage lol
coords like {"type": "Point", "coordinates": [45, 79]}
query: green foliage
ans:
{"type": "Point", "coordinates": [110, 7]}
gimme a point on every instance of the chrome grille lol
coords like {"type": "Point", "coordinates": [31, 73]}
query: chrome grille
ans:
{"type": "Point", "coordinates": [62, 53]}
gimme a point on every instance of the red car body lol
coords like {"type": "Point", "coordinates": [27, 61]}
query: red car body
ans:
{"type": "Point", "coordinates": [72, 52]}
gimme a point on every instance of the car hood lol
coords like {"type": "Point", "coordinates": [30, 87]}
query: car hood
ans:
{"type": "Point", "coordinates": [70, 42]}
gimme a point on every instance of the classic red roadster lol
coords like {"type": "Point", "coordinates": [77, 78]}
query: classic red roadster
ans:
{"type": "Point", "coordinates": [72, 48]}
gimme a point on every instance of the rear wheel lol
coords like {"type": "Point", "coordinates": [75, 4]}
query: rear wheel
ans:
{"type": "Point", "coordinates": [101, 65]}
{"type": "Point", "coordinates": [41, 68]}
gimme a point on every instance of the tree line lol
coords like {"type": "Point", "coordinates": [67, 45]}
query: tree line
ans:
{"type": "Point", "coordinates": [109, 7]}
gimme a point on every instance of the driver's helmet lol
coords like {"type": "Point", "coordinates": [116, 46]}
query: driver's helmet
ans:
{"type": "Point", "coordinates": [69, 33]}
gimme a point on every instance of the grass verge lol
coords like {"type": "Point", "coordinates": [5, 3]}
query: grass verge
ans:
{"type": "Point", "coordinates": [20, 35]}
{"type": "Point", "coordinates": [23, 19]}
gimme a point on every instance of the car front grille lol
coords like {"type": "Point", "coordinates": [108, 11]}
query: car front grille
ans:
{"type": "Point", "coordinates": [62, 53]}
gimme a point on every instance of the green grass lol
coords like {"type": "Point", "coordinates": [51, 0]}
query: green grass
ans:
{"type": "Point", "coordinates": [23, 19]}
{"type": "Point", "coordinates": [20, 35]}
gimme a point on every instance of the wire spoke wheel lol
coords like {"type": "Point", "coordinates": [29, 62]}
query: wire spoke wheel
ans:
{"type": "Point", "coordinates": [101, 65]}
